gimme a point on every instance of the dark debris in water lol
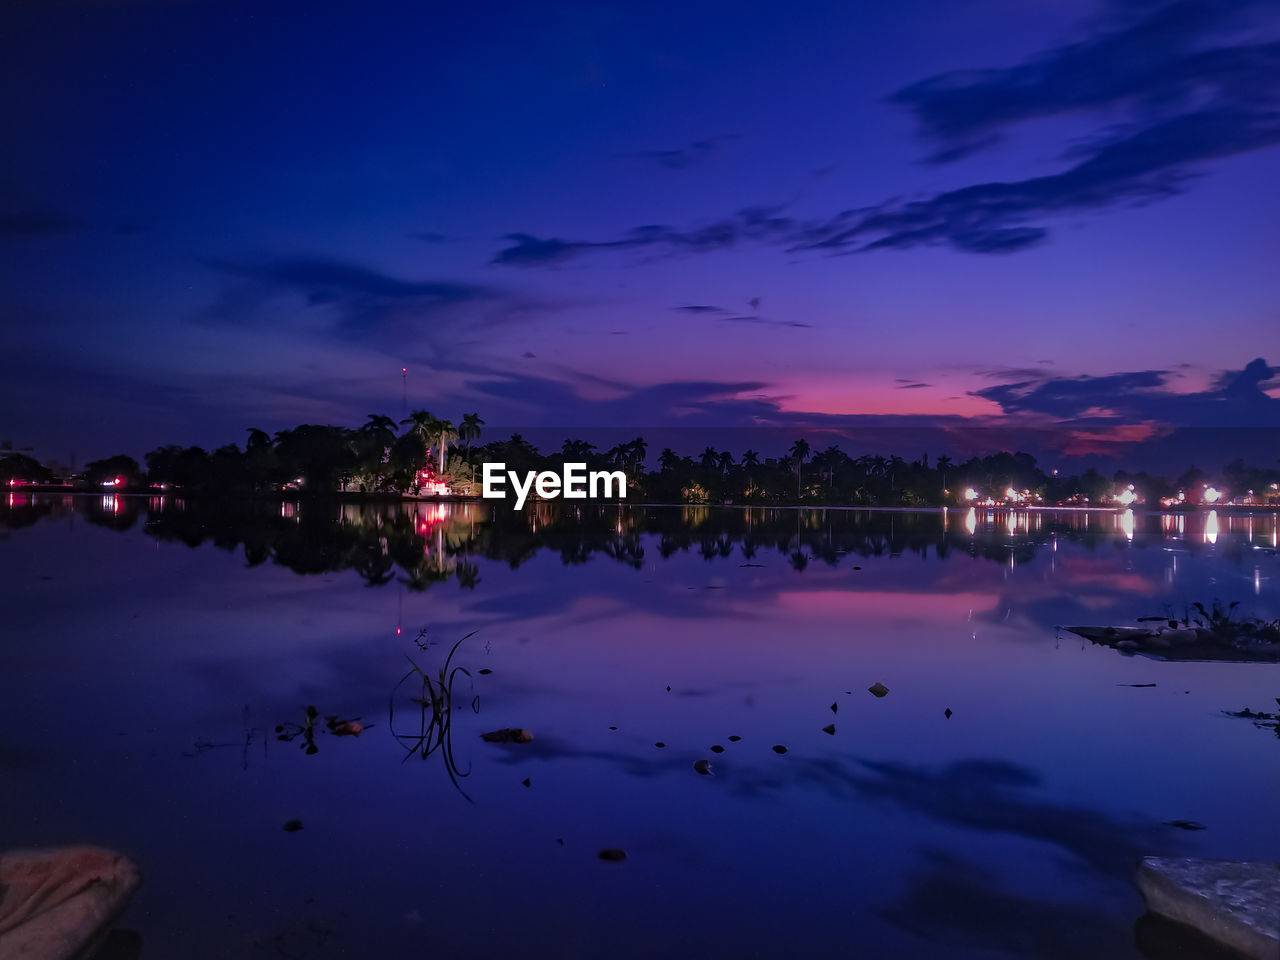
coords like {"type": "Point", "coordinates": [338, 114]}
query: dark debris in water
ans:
{"type": "Point", "coordinates": [947, 713]}
{"type": "Point", "coordinates": [292, 826]}
{"type": "Point", "coordinates": [878, 689]}
{"type": "Point", "coordinates": [829, 729]}
{"type": "Point", "coordinates": [735, 738]}
{"type": "Point", "coordinates": [507, 735]}
{"type": "Point", "coordinates": [716, 748]}
{"type": "Point", "coordinates": [779, 749]}
{"type": "Point", "coordinates": [702, 767]}
{"type": "Point", "coordinates": [1185, 824]}
{"type": "Point", "coordinates": [612, 855]}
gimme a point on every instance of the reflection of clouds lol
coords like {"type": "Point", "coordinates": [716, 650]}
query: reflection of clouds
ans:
{"type": "Point", "coordinates": [957, 904]}
{"type": "Point", "coordinates": [997, 796]}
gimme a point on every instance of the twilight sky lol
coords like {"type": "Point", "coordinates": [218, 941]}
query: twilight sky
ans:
{"type": "Point", "coordinates": [823, 216]}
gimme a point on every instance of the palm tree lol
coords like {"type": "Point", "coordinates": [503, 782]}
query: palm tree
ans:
{"type": "Point", "coordinates": [380, 430]}
{"type": "Point", "coordinates": [799, 453]}
{"type": "Point", "coordinates": [424, 425]}
{"type": "Point", "coordinates": [470, 430]}
{"type": "Point", "coordinates": [750, 460]}
{"type": "Point", "coordinates": [637, 448]}
{"type": "Point", "coordinates": [577, 450]}
{"type": "Point", "coordinates": [668, 460]}
{"type": "Point", "coordinates": [709, 459]}
{"type": "Point", "coordinates": [445, 431]}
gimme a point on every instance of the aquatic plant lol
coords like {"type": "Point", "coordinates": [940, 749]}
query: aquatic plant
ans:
{"type": "Point", "coordinates": [435, 703]}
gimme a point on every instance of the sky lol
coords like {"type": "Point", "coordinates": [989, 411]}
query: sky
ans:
{"type": "Point", "coordinates": [822, 218]}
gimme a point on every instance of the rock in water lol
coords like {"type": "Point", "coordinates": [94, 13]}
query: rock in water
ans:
{"type": "Point", "coordinates": [612, 855]}
{"type": "Point", "coordinates": [878, 689]}
{"type": "Point", "coordinates": [509, 735]}
{"type": "Point", "coordinates": [1234, 902]}
{"type": "Point", "coordinates": [56, 904]}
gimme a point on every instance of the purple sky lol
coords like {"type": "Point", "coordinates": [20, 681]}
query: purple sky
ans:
{"type": "Point", "coordinates": [1050, 214]}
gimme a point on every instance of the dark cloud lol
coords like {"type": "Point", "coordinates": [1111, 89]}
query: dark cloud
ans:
{"type": "Point", "coordinates": [1147, 58]}
{"type": "Point", "coordinates": [35, 221]}
{"type": "Point", "coordinates": [358, 301]}
{"type": "Point", "coordinates": [760, 223]}
{"type": "Point", "coordinates": [1236, 399]}
{"type": "Point", "coordinates": [914, 386]}
{"type": "Point", "coordinates": [681, 158]}
{"type": "Point", "coordinates": [1175, 86]}
{"type": "Point", "coordinates": [727, 316]}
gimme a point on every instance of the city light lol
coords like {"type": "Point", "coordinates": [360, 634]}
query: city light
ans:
{"type": "Point", "coordinates": [1212, 495]}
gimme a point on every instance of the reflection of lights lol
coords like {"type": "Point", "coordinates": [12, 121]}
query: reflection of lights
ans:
{"type": "Point", "coordinates": [971, 520]}
{"type": "Point", "coordinates": [1126, 523]}
{"type": "Point", "coordinates": [1211, 527]}
{"type": "Point", "coordinates": [970, 493]}
{"type": "Point", "coordinates": [1257, 581]}
{"type": "Point", "coordinates": [1212, 494]}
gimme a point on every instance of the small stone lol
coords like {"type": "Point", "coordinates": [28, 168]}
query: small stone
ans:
{"type": "Point", "coordinates": [613, 728]}
{"type": "Point", "coordinates": [779, 748]}
{"type": "Point", "coordinates": [485, 671]}
{"type": "Point", "coordinates": [702, 767]}
{"type": "Point", "coordinates": [835, 707]}
{"type": "Point", "coordinates": [612, 855]}
{"type": "Point", "coordinates": [878, 689]}
{"type": "Point", "coordinates": [829, 729]}
{"type": "Point", "coordinates": [659, 744]}
{"type": "Point", "coordinates": [527, 782]}
{"type": "Point", "coordinates": [716, 748]}
{"type": "Point", "coordinates": [292, 826]}
{"type": "Point", "coordinates": [947, 713]}
{"type": "Point", "coordinates": [735, 738]}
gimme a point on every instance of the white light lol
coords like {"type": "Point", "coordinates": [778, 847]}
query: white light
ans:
{"type": "Point", "coordinates": [970, 493]}
{"type": "Point", "coordinates": [1212, 495]}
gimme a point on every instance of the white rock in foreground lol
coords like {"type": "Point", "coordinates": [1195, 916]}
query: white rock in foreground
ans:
{"type": "Point", "coordinates": [58, 904]}
{"type": "Point", "coordinates": [1234, 902]}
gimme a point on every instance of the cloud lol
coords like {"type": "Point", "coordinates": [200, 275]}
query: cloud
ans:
{"type": "Point", "coordinates": [681, 158]}
{"type": "Point", "coordinates": [728, 316]}
{"type": "Point", "coordinates": [35, 221]}
{"type": "Point", "coordinates": [353, 301]}
{"type": "Point", "coordinates": [1146, 58]}
{"type": "Point", "coordinates": [1235, 399]}
{"type": "Point", "coordinates": [1174, 87]}
{"type": "Point", "coordinates": [758, 223]}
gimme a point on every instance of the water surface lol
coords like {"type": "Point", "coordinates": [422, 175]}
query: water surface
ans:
{"type": "Point", "coordinates": [150, 649]}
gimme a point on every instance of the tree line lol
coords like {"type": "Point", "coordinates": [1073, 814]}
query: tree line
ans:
{"type": "Point", "coordinates": [389, 458]}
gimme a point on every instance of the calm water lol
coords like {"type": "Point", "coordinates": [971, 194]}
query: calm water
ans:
{"type": "Point", "coordinates": [149, 651]}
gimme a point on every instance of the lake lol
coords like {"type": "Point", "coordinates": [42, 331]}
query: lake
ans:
{"type": "Point", "coordinates": [158, 658]}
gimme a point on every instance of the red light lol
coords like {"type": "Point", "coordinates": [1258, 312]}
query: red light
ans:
{"type": "Point", "coordinates": [119, 481]}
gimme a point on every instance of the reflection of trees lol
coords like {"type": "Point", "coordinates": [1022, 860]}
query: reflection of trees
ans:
{"type": "Point", "coordinates": [423, 545]}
